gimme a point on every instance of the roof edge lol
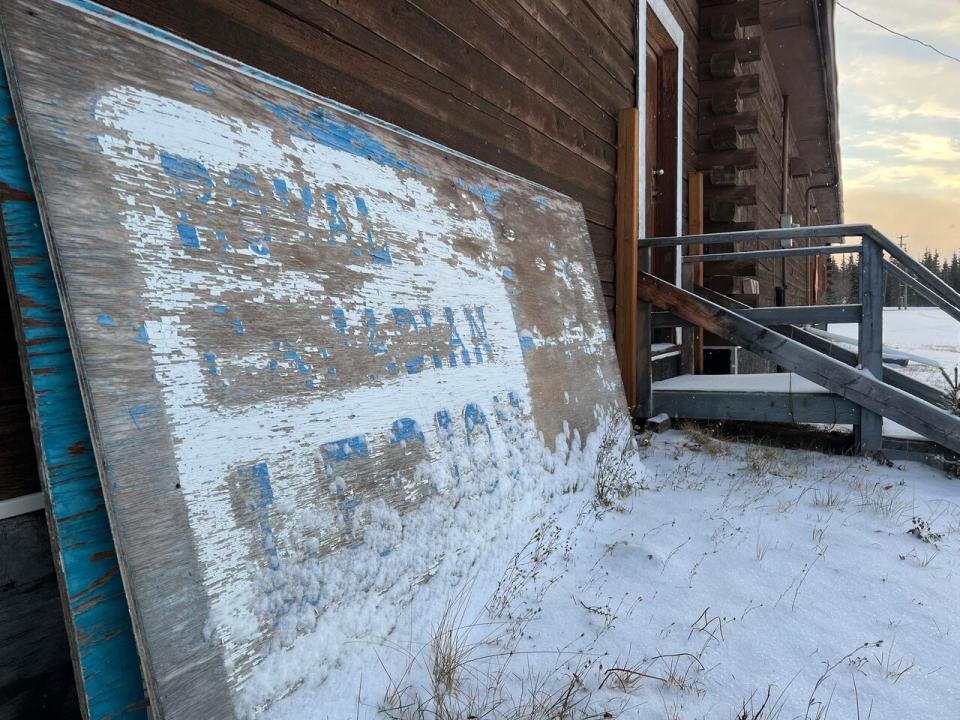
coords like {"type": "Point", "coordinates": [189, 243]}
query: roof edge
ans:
{"type": "Point", "coordinates": [826, 42]}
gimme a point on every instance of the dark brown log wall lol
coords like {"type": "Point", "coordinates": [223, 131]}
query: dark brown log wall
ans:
{"type": "Point", "coordinates": [18, 462]}
{"type": "Point", "coordinates": [769, 183]}
{"type": "Point", "coordinates": [740, 143]}
{"type": "Point", "coordinates": [531, 86]}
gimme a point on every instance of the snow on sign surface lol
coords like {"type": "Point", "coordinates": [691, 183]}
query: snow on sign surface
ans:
{"type": "Point", "coordinates": [313, 348]}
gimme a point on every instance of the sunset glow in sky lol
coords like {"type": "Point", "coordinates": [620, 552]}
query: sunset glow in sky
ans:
{"type": "Point", "coordinates": [900, 120]}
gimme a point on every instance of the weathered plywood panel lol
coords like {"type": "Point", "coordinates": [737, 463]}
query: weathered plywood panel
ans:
{"type": "Point", "coordinates": [109, 684]}
{"type": "Point", "coordinates": [291, 323]}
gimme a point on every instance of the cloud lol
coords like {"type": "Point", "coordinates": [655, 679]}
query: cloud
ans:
{"type": "Point", "coordinates": [929, 221]}
{"type": "Point", "coordinates": [929, 20]}
{"type": "Point", "coordinates": [916, 147]}
{"type": "Point", "coordinates": [902, 160]}
{"type": "Point", "coordinates": [900, 119]}
{"type": "Point", "coordinates": [933, 109]}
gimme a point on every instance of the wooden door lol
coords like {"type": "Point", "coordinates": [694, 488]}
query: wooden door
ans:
{"type": "Point", "coordinates": [661, 144]}
{"type": "Point", "coordinates": [653, 128]}
{"type": "Point", "coordinates": [661, 153]}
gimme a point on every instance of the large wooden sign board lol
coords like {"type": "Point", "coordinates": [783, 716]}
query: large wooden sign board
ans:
{"type": "Point", "coordinates": [289, 322]}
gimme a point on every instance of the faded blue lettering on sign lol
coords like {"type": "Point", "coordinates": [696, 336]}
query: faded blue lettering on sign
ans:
{"type": "Point", "coordinates": [306, 195]}
{"type": "Point", "coordinates": [456, 344]}
{"type": "Point", "coordinates": [337, 224]}
{"type": "Point", "coordinates": [323, 128]}
{"type": "Point", "coordinates": [261, 498]}
{"type": "Point", "coordinates": [340, 320]}
{"type": "Point", "coordinates": [487, 194]}
{"type": "Point", "coordinates": [188, 236]}
{"type": "Point", "coordinates": [345, 450]}
{"type": "Point", "coordinates": [242, 179]}
{"type": "Point", "coordinates": [444, 424]}
{"type": "Point", "coordinates": [404, 319]}
{"type": "Point", "coordinates": [414, 365]}
{"type": "Point", "coordinates": [404, 430]}
{"type": "Point", "coordinates": [281, 191]}
{"type": "Point", "coordinates": [293, 356]}
{"type": "Point", "coordinates": [185, 169]}
{"type": "Point", "coordinates": [474, 419]}
{"type": "Point", "coordinates": [370, 320]}
{"type": "Point", "coordinates": [478, 324]}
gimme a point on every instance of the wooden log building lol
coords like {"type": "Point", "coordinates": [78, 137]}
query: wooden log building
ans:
{"type": "Point", "coordinates": [733, 126]}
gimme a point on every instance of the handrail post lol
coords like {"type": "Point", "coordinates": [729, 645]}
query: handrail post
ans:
{"type": "Point", "coordinates": [869, 433]}
{"type": "Point", "coordinates": [644, 378]}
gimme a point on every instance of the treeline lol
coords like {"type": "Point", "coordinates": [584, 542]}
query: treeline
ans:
{"type": "Point", "coordinates": [843, 280]}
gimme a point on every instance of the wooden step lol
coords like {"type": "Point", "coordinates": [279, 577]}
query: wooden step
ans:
{"type": "Point", "coordinates": [861, 388]}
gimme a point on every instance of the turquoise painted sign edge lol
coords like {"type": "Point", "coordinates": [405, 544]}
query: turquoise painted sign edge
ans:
{"type": "Point", "coordinates": [106, 664]}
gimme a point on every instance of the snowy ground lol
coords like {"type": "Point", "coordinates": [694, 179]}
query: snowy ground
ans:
{"type": "Point", "coordinates": [730, 575]}
{"type": "Point", "coordinates": [732, 582]}
{"type": "Point", "coordinates": [928, 332]}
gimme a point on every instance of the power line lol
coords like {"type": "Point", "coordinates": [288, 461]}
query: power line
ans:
{"type": "Point", "coordinates": [900, 34]}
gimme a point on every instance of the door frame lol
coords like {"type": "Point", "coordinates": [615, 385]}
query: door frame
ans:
{"type": "Point", "coordinates": [665, 16]}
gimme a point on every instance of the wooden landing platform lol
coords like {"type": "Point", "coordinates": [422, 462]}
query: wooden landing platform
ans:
{"type": "Point", "coordinates": [770, 397]}
{"type": "Point", "coordinates": [778, 398]}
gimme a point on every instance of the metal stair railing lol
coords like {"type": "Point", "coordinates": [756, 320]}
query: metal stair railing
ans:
{"type": "Point", "coordinates": [774, 333]}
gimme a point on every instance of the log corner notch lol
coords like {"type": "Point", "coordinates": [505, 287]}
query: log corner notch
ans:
{"type": "Point", "coordinates": [628, 252]}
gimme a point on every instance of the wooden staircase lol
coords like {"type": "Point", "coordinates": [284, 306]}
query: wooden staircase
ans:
{"type": "Point", "coordinates": [842, 386]}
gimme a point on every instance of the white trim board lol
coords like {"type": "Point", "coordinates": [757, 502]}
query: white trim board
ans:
{"type": "Point", "coordinates": [665, 16]}
{"type": "Point", "coordinates": [21, 505]}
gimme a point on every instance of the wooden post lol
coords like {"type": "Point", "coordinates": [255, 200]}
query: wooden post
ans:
{"type": "Point", "coordinates": [644, 371]}
{"type": "Point", "coordinates": [627, 260]}
{"type": "Point", "coordinates": [695, 227]}
{"type": "Point", "coordinates": [869, 433]}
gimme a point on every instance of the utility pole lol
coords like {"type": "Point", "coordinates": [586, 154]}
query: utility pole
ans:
{"type": "Point", "coordinates": [903, 285]}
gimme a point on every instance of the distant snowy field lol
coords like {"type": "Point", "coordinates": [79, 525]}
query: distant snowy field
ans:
{"type": "Point", "coordinates": [928, 332]}
{"type": "Point", "coordinates": [733, 576]}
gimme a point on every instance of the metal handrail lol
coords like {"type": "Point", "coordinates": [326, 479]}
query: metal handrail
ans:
{"type": "Point", "coordinates": [946, 297]}
{"type": "Point", "coordinates": [869, 312]}
{"type": "Point", "coordinates": [809, 231]}
{"type": "Point", "coordinates": [923, 274]}
{"type": "Point", "coordinates": [776, 252]}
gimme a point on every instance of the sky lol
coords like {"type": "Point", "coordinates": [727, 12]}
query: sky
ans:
{"type": "Point", "coordinates": [900, 120]}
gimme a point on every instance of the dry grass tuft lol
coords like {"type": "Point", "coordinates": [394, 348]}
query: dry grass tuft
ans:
{"type": "Point", "coordinates": [885, 499]}
{"type": "Point", "coordinates": [475, 669]}
{"type": "Point", "coordinates": [702, 439]}
{"type": "Point", "coordinates": [830, 498]}
{"type": "Point", "coordinates": [615, 475]}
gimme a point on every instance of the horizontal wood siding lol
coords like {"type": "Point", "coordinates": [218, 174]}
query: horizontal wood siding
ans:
{"type": "Point", "coordinates": [532, 86]}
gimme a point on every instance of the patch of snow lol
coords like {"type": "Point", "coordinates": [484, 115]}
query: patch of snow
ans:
{"type": "Point", "coordinates": [924, 331]}
{"type": "Point", "coordinates": [747, 382]}
{"type": "Point", "coordinates": [734, 570]}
